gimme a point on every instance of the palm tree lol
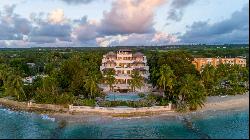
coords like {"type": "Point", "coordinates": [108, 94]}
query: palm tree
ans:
{"type": "Point", "coordinates": [166, 79]}
{"type": "Point", "coordinates": [191, 92]}
{"type": "Point", "coordinates": [3, 77]}
{"type": "Point", "coordinates": [109, 78]}
{"type": "Point", "coordinates": [154, 76]}
{"type": "Point", "coordinates": [17, 85]}
{"type": "Point", "coordinates": [91, 83]}
{"type": "Point", "coordinates": [209, 78]}
{"type": "Point", "coordinates": [13, 85]}
{"type": "Point", "coordinates": [136, 81]}
{"type": "Point", "coordinates": [236, 79]}
{"type": "Point", "coordinates": [4, 72]}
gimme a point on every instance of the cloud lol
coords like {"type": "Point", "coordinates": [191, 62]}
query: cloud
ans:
{"type": "Point", "coordinates": [232, 30]}
{"type": "Point", "coordinates": [56, 16]}
{"type": "Point", "coordinates": [158, 38]}
{"type": "Point", "coordinates": [177, 9]}
{"type": "Point", "coordinates": [51, 29]}
{"type": "Point", "coordinates": [9, 9]}
{"type": "Point", "coordinates": [130, 16]}
{"type": "Point", "coordinates": [50, 32]}
{"type": "Point", "coordinates": [163, 38]}
{"type": "Point", "coordinates": [2, 44]}
{"type": "Point", "coordinates": [75, 2]}
{"type": "Point", "coordinates": [12, 26]}
{"type": "Point", "coordinates": [85, 30]}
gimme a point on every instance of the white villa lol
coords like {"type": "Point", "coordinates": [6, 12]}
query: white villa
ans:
{"type": "Point", "coordinates": [124, 62]}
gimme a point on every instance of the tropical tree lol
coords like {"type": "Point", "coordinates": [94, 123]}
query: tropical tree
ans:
{"type": "Point", "coordinates": [3, 74]}
{"type": "Point", "coordinates": [209, 79]}
{"type": "Point", "coordinates": [48, 92]}
{"type": "Point", "coordinates": [179, 61]}
{"type": "Point", "coordinates": [191, 93]}
{"type": "Point", "coordinates": [136, 81]}
{"type": "Point", "coordinates": [222, 74]}
{"type": "Point", "coordinates": [154, 76]}
{"type": "Point", "coordinates": [17, 86]}
{"type": "Point", "coordinates": [109, 78]}
{"type": "Point", "coordinates": [14, 85]}
{"type": "Point", "coordinates": [166, 79]}
{"type": "Point", "coordinates": [236, 79]}
{"type": "Point", "coordinates": [91, 83]}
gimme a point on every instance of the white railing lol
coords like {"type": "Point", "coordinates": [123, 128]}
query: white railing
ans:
{"type": "Point", "coordinates": [121, 86]}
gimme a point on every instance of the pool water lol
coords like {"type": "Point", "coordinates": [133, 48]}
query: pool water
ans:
{"type": "Point", "coordinates": [122, 97]}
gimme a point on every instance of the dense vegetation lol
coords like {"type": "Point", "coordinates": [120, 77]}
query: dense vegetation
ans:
{"type": "Point", "coordinates": [66, 76]}
{"type": "Point", "coordinates": [177, 79]}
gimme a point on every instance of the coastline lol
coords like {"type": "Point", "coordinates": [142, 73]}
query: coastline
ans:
{"type": "Point", "coordinates": [61, 113]}
{"type": "Point", "coordinates": [228, 102]}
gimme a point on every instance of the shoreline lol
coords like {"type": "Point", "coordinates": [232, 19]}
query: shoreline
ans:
{"type": "Point", "coordinates": [214, 103]}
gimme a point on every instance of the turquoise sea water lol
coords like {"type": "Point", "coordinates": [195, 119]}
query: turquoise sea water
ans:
{"type": "Point", "coordinates": [213, 124]}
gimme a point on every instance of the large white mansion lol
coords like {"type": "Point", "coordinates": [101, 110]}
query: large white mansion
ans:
{"type": "Point", "coordinates": [124, 62]}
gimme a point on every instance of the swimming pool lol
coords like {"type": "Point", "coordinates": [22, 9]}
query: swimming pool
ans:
{"type": "Point", "coordinates": [122, 97]}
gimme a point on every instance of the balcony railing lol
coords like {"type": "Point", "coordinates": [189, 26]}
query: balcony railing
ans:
{"type": "Point", "coordinates": [121, 86]}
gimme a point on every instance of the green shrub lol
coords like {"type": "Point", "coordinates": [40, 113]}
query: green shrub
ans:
{"type": "Point", "coordinates": [65, 98]}
{"type": "Point", "coordinates": [163, 102]}
{"type": "Point", "coordinates": [141, 95]}
{"type": "Point", "coordinates": [84, 102]}
{"type": "Point", "coordinates": [44, 97]}
{"type": "Point", "coordinates": [152, 96]}
{"type": "Point", "coordinates": [2, 94]}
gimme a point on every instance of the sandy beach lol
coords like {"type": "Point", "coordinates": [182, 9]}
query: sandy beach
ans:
{"type": "Point", "coordinates": [211, 103]}
{"type": "Point", "coordinates": [226, 102]}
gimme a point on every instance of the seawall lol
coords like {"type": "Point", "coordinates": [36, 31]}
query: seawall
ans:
{"type": "Point", "coordinates": [29, 106]}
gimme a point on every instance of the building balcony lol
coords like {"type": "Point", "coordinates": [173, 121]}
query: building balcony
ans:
{"type": "Point", "coordinates": [125, 61]}
{"type": "Point", "coordinates": [107, 60]}
{"type": "Point", "coordinates": [121, 68]}
{"type": "Point", "coordinates": [141, 67]}
{"type": "Point", "coordinates": [106, 67]}
{"type": "Point", "coordinates": [122, 76]}
{"type": "Point", "coordinates": [124, 55]}
{"type": "Point", "coordinates": [121, 86]}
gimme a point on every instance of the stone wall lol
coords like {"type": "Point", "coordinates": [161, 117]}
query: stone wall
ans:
{"type": "Point", "coordinates": [47, 107]}
{"type": "Point", "coordinates": [71, 108]}
{"type": "Point", "coordinates": [115, 110]}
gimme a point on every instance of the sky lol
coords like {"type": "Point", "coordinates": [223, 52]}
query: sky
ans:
{"type": "Point", "coordinates": [102, 23]}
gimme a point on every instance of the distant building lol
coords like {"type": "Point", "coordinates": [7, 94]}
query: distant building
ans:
{"type": "Point", "coordinates": [30, 79]}
{"type": "Point", "coordinates": [124, 62]}
{"type": "Point", "coordinates": [31, 64]}
{"type": "Point", "coordinates": [201, 62]}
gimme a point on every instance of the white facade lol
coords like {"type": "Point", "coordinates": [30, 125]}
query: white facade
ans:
{"type": "Point", "coordinates": [124, 62]}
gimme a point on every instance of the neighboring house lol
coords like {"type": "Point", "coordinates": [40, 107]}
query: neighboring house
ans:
{"type": "Point", "coordinates": [124, 62]}
{"type": "Point", "coordinates": [201, 62]}
{"type": "Point", "coordinates": [30, 79]}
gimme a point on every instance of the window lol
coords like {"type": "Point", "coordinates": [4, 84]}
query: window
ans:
{"type": "Point", "coordinates": [128, 71]}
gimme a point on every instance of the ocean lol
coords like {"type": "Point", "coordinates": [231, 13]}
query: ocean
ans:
{"type": "Point", "coordinates": [229, 124]}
